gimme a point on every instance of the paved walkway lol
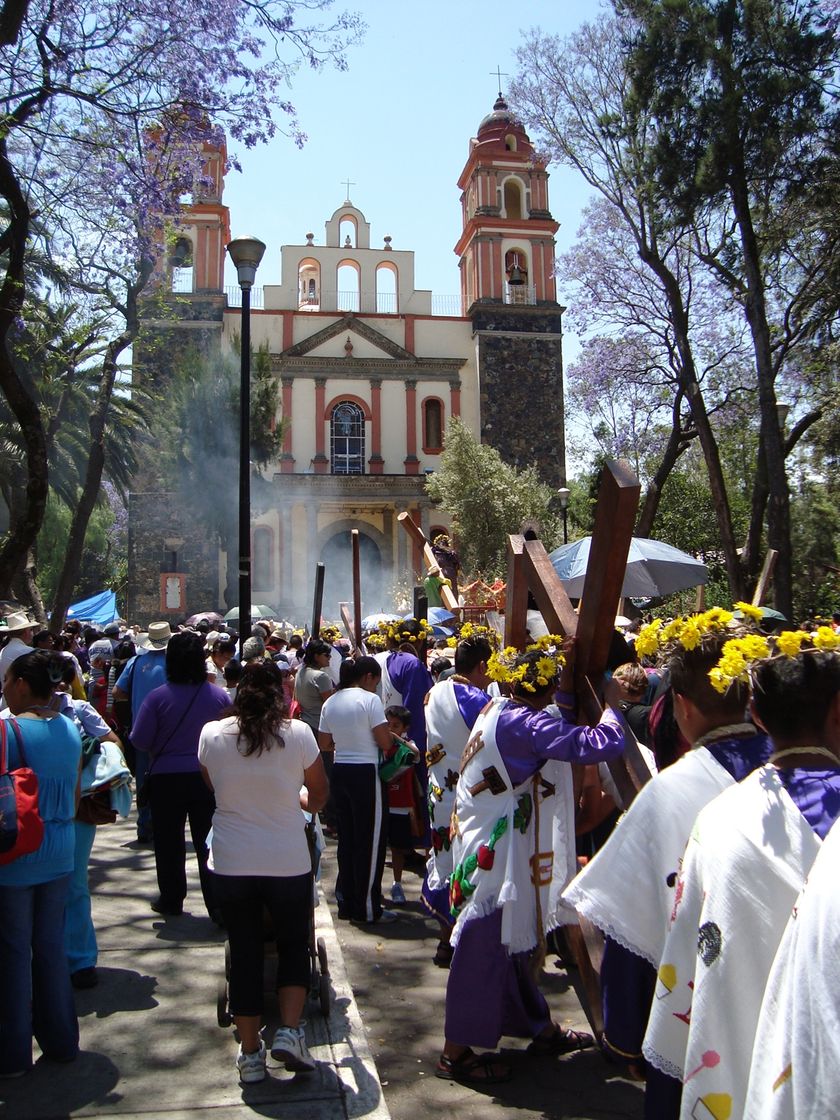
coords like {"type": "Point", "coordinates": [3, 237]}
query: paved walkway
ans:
{"type": "Point", "coordinates": [150, 1042]}
{"type": "Point", "coordinates": [151, 1046]}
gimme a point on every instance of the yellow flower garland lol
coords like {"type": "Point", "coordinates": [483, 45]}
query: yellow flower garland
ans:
{"type": "Point", "coordinates": [502, 668]}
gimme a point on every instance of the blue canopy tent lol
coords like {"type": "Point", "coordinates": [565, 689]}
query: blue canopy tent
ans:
{"type": "Point", "coordinates": [100, 608]}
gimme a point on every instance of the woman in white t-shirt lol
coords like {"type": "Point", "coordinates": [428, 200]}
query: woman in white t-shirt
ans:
{"type": "Point", "coordinates": [256, 762]}
{"type": "Point", "coordinates": [353, 724]}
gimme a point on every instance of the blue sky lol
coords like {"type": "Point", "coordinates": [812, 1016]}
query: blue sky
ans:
{"type": "Point", "coordinates": [398, 124]}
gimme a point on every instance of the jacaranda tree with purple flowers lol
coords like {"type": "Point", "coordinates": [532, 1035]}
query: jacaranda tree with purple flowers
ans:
{"type": "Point", "coordinates": [106, 105]}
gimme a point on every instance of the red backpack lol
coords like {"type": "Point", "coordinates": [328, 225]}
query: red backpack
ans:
{"type": "Point", "coordinates": [21, 827]}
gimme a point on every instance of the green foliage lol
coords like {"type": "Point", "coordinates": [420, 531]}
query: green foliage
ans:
{"type": "Point", "coordinates": [487, 500]}
{"type": "Point", "coordinates": [103, 558]}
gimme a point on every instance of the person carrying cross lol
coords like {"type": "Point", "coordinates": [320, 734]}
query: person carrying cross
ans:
{"type": "Point", "coordinates": [513, 852]}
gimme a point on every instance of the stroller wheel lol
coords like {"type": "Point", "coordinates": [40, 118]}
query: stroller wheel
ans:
{"type": "Point", "coordinates": [323, 960]}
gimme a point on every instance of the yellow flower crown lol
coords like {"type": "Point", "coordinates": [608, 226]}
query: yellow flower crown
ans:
{"type": "Point", "coordinates": [397, 631]}
{"type": "Point", "coordinates": [376, 642]}
{"type": "Point", "coordinates": [690, 630]}
{"type": "Point", "coordinates": [475, 630]}
{"type": "Point", "coordinates": [502, 665]}
{"type": "Point", "coordinates": [740, 655]}
{"type": "Point", "coordinates": [330, 633]}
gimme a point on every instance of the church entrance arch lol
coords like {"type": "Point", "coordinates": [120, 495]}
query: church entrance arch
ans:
{"type": "Point", "coordinates": [337, 558]}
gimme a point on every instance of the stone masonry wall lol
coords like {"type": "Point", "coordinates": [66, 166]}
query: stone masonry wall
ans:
{"type": "Point", "coordinates": [521, 385]}
{"type": "Point", "coordinates": [153, 519]}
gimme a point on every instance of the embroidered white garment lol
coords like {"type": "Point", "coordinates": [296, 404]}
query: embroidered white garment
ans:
{"type": "Point", "coordinates": [795, 1071]}
{"type": "Point", "coordinates": [446, 732]}
{"type": "Point", "coordinates": [746, 861]}
{"type": "Point", "coordinates": [627, 890]}
{"type": "Point", "coordinates": [386, 689]}
{"type": "Point", "coordinates": [507, 842]}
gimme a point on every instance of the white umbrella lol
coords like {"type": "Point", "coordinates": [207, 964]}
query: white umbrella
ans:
{"type": "Point", "coordinates": [654, 569]}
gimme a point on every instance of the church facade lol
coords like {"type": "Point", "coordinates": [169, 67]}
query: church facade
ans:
{"type": "Point", "coordinates": [370, 370]}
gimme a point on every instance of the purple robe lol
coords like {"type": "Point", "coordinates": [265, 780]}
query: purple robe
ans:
{"type": "Point", "coordinates": [491, 993]}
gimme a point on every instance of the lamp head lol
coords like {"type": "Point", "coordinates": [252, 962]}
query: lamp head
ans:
{"type": "Point", "coordinates": [563, 494]}
{"type": "Point", "coordinates": [246, 254]}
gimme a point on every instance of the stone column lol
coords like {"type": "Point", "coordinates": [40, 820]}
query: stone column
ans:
{"type": "Point", "coordinates": [454, 398]}
{"type": "Point", "coordinates": [287, 459]}
{"type": "Point", "coordinates": [321, 462]}
{"type": "Point", "coordinates": [411, 462]}
{"type": "Point", "coordinates": [376, 463]}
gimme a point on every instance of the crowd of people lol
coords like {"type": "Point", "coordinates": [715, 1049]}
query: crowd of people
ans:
{"type": "Point", "coordinates": [467, 756]}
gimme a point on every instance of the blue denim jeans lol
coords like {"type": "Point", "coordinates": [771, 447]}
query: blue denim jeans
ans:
{"type": "Point", "coordinates": [36, 996]}
{"type": "Point", "coordinates": [79, 934]}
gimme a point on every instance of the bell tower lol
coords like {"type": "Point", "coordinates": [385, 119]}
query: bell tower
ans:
{"type": "Point", "coordinates": [506, 255]}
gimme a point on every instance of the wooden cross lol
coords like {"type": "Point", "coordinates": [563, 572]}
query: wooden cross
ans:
{"type": "Point", "coordinates": [419, 537]}
{"type": "Point", "coordinates": [353, 624]}
{"type": "Point", "coordinates": [529, 568]}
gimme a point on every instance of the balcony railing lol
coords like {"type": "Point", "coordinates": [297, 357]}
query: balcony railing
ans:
{"type": "Point", "coordinates": [234, 296]}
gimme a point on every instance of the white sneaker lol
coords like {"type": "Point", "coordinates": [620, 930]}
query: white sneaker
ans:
{"type": "Point", "coordinates": [251, 1066]}
{"type": "Point", "coordinates": [289, 1047]}
{"type": "Point", "coordinates": [398, 894]}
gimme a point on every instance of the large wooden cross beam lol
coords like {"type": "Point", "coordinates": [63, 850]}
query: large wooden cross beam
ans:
{"type": "Point", "coordinates": [530, 569]}
{"type": "Point", "coordinates": [419, 537]}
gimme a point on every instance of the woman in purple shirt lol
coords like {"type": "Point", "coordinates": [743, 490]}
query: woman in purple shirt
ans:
{"type": "Point", "coordinates": [167, 728]}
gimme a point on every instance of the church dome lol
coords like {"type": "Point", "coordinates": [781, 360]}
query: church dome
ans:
{"type": "Point", "coordinates": [503, 128]}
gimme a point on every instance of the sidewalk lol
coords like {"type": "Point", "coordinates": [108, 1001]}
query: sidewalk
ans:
{"type": "Point", "coordinates": [400, 994]}
{"type": "Point", "coordinates": [150, 1042]}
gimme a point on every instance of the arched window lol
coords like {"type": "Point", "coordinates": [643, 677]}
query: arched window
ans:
{"type": "Point", "coordinates": [181, 263]}
{"type": "Point", "coordinates": [510, 142]}
{"type": "Point", "coordinates": [432, 425]}
{"type": "Point", "coordinates": [263, 574]}
{"type": "Point", "coordinates": [309, 283]}
{"type": "Point", "coordinates": [347, 439]}
{"type": "Point", "coordinates": [513, 198]}
{"type": "Point", "coordinates": [386, 289]}
{"type": "Point", "coordinates": [347, 233]}
{"type": "Point", "coordinates": [348, 284]}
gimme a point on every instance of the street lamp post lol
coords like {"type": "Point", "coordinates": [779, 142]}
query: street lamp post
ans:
{"type": "Point", "coordinates": [246, 254]}
{"type": "Point", "coordinates": [563, 494]}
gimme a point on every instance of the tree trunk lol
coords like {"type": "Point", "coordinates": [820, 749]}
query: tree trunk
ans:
{"type": "Point", "coordinates": [678, 442]}
{"type": "Point", "coordinates": [96, 457]}
{"type": "Point", "coordinates": [23, 529]}
{"type": "Point", "coordinates": [752, 546]}
{"type": "Point", "coordinates": [690, 387]}
{"type": "Point", "coordinates": [771, 440]}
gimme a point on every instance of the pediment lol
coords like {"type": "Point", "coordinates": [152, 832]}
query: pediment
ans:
{"type": "Point", "coordinates": [350, 324]}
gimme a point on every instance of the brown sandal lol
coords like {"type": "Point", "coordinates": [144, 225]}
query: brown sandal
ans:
{"type": "Point", "coordinates": [443, 954]}
{"type": "Point", "coordinates": [470, 1068]}
{"type": "Point", "coordinates": [561, 1041]}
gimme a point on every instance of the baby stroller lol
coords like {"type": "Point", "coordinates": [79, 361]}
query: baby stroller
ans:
{"type": "Point", "coordinates": [319, 972]}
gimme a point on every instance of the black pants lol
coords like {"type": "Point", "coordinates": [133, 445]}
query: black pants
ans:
{"type": "Point", "coordinates": [360, 812]}
{"type": "Point", "coordinates": [174, 799]}
{"type": "Point", "coordinates": [242, 899]}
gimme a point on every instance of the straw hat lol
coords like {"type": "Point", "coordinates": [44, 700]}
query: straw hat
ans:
{"type": "Point", "coordinates": [16, 622]}
{"type": "Point", "coordinates": [157, 637]}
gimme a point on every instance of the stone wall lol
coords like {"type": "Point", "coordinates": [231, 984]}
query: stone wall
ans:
{"type": "Point", "coordinates": [520, 360]}
{"type": "Point", "coordinates": [159, 526]}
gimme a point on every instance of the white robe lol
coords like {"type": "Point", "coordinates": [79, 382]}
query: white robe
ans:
{"type": "Point", "coordinates": [744, 865]}
{"type": "Point", "coordinates": [627, 890]}
{"type": "Point", "coordinates": [795, 1072]}
{"type": "Point", "coordinates": [446, 731]}
{"type": "Point", "coordinates": [530, 830]}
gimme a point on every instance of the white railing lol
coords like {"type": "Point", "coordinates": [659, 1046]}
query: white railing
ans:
{"type": "Point", "coordinates": [386, 303]}
{"type": "Point", "coordinates": [234, 296]}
